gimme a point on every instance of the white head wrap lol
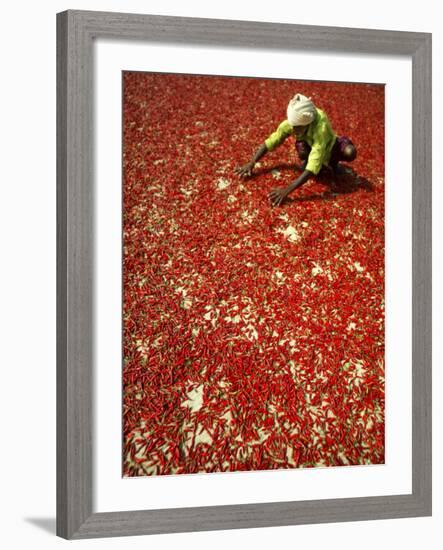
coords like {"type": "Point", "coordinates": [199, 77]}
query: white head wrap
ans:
{"type": "Point", "coordinates": [301, 111]}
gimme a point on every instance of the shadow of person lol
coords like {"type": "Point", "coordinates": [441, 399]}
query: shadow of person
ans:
{"type": "Point", "coordinates": [344, 184]}
{"type": "Point", "coordinates": [347, 182]}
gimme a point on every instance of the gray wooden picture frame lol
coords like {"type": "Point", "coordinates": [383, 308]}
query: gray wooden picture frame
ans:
{"type": "Point", "coordinates": [76, 31]}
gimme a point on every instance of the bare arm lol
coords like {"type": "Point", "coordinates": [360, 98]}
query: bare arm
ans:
{"type": "Point", "coordinates": [245, 171]}
{"type": "Point", "coordinates": [277, 196]}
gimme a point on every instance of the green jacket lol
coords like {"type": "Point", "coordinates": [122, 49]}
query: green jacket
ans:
{"type": "Point", "coordinates": [319, 135]}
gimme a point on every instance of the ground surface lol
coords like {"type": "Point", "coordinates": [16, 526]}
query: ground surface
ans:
{"type": "Point", "coordinates": [253, 336]}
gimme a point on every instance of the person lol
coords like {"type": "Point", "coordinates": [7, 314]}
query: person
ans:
{"type": "Point", "coordinates": [316, 143]}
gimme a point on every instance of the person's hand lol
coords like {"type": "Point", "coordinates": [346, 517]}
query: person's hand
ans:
{"type": "Point", "coordinates": [277, 196]}
{"type": "Point", "coordinates": [245, 171]}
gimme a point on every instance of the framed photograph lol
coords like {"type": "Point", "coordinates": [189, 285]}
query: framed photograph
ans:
{"type": "Point", "coordinates": [243, 274]}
